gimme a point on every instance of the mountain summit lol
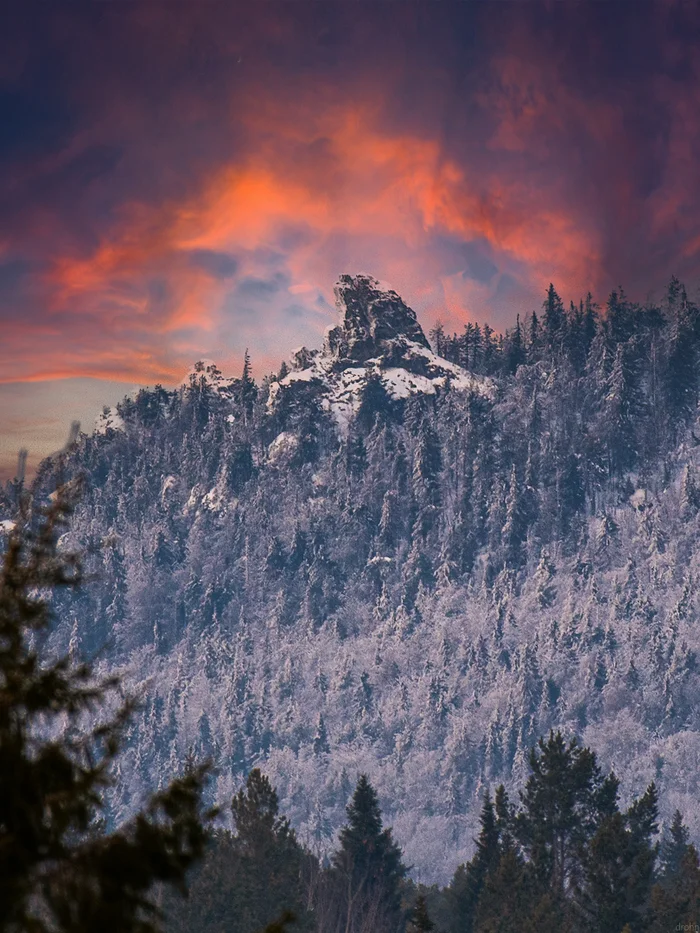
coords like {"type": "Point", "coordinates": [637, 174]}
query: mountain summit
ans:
{"type": "Point", "coordinates": [379, 339]}
{"type": "Point", "coordinates": [374, 317]}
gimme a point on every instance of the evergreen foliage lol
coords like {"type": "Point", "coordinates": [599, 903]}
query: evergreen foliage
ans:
{"type": "Point", "coordinates": [60, 869]}
{"type": "Point", "coordinates": [368, 868]}
{"type": "Point", "coordinates": [251, 877]}
{"type": "Point", "coordinates": [442, 574]}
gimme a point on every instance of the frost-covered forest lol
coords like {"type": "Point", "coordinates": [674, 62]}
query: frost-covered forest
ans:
{"type": "Point", "coordinates": [406, 560]}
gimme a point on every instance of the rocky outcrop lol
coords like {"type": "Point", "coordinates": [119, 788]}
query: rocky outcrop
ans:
{"type": "Point", "coordinates": [379, 337]}
{"type": "Point", "coordinates": [374, 318]}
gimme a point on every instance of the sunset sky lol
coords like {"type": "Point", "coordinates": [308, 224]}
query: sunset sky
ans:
{"type": "Point", "coordinates": [188, 179]}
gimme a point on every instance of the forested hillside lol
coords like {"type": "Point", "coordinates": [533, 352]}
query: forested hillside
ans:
{"type": "Point", "coordinates": [406, 562]}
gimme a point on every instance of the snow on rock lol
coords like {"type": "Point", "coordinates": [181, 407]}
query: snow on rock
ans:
{"type": "Point", "coordinates": [380, 337]}
{"type": "Point", "coordinates": [169, 483]}
{"type": "Point", "coordinates": [282, 449]}
{"type": "Point", "coordinates": [108, 420]}
{"type": "Point", "coordinates": [209, 372]}
{"type": "Point", "coordinates": [6, 526]}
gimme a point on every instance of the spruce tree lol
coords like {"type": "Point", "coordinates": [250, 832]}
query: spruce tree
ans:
{"type": "Point", "coordinates": [554, 319]}
{"type": "Point", "coordinates": [368, 869]}
{"type": "Point", "coordinates": [249, 878]}
{"type": "Point", "coordinates": [420, 921]}
{"type": "Point", "coordinates": [515, 352]}
{"type": "Point", "coordinates": [506, 902]}
{"type": "Point", "coordinates": [674, 848]}
{"type": "Point", "coordinates": [468, 881]}
{"type": "Point", "coordinates": [60, 869]}
{"type": "Point", "coordinates": [246, 390]}
{"type": "Point", "coordinates": [618, 877]}
{"type": "Point", "coordinates": [675, 903]}
{"type": "Point", "coordinates": [268, 857]}
{"type": "Point", "coordinates": [564, 801]}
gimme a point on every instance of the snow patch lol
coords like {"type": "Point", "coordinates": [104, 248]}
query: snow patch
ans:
{"type": "Point", "coordinates": [283, 448]}
{"type": "Point", "coordinates": [109, 420]}
{"type": "Point", "coordinates": [209, 372]}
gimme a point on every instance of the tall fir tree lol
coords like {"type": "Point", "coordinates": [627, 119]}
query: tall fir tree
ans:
{"type": "Point", "coordinates": [469, 879]}
{"type": "Point", "coordinates": [368, 869]}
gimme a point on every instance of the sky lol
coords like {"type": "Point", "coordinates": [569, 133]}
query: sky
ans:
{"type": "Point", "coordinates": [182, 180]}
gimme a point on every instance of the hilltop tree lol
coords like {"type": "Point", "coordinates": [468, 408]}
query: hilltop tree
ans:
{"type": "Point", "coordinates": [246, 390]}
{"type": "Point", "coordinates": [554, 318]}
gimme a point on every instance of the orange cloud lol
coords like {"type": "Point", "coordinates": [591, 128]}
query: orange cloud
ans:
{"type": "Point", "coordinates": [336, 173]}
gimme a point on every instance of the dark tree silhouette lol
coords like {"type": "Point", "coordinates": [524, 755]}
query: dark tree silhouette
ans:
{"type": "Point", "coordinates": [59, 869]}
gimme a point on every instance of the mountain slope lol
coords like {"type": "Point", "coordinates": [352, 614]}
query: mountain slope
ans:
{"type": "Point", "coordinates": [327, 574]}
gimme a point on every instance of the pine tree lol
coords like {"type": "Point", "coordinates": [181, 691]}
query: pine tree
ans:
{"type": "Point", "coordinates": [619, 867]}
{"type": "Point", "coordinates": [682, 364]}
{"type": "Point", "coordinates": [247, 390]}
{"type": "Point", "coordinates": [420, 921]}
{"type": "Point", "coordinates": [514, 530]}
{"type": "Point", "coordinates": [534, 334]}
{"type": "Point", "coordinates": [321, 745]}
{"type": "Point", "coordinates": [674, 848]}
{"type": "Point", "coordinates": [506, 902]}
{"type": "Point", "coordinates": [515, 352]}
{"type": "Point", "coordinates": [376, 404]}
{"type": "Point", "coordinates": [251, 877]}
{"type": "Point", "coordinates": [554, 319]}
{"type": "Point", "coordinates": [268, 857]}
{"type": "Point", "coordinates": [437, 338]}
{"type": "Point", "coordinates": [545, 589]}
{"type": "Point", "coordinates": [368, 868]}
{"type": "Point", "coordinates": [60, 870]}
{"type": "Point", "coordinates": [619, 317]}
{"type": "Point", "coordinates": [564, 801]}
{"type": "Point", "coordinates": [690, 494]}
{"type": "Point", "coordinates": [675, 905]}
{"type": "Point", "coordinates": [590, 323]}
{"type": "Point", "coordinates": [620, 414]}
{"type": "Point", "coordinates": [469, 880]}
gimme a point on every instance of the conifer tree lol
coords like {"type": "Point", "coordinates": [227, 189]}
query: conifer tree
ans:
{"type": "Point", "coordinates": [251, 879]}
{"type": "Point", "coordinates": [554, 319]}
{"type": "Point", "coordinates": [420, 921]}
{"type": "Point", "coordinates": [564, 801]}
{"type": "Point", "coordinates": [60, 870]}
{"type": "Point", "coordinates": [506, 902]}
{"type": "Point", "coordinates": [618, 876]}
{"type": "Point", "coordinates": [368, 869]}
{"type": "Point", "coordinates": [674, 848]}
{"type": "Point", "coordinates": [515, 348]}
{"type": "Point", "coordinates": [675, 903]}
{"type": "Point", "coordinates": [247, 390]}
{"type": "Point", "coordinates": [268, 856]}
{"type": "Point", "coordinates": [514, 530]}
{"type": "Point", "coordinates": [682, 366]}
{"type": "Point", "coordinates": [469, 880]}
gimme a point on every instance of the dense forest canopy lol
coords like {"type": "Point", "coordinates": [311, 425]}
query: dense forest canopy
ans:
{"type": "Point", "coordinates": [406, 562]}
